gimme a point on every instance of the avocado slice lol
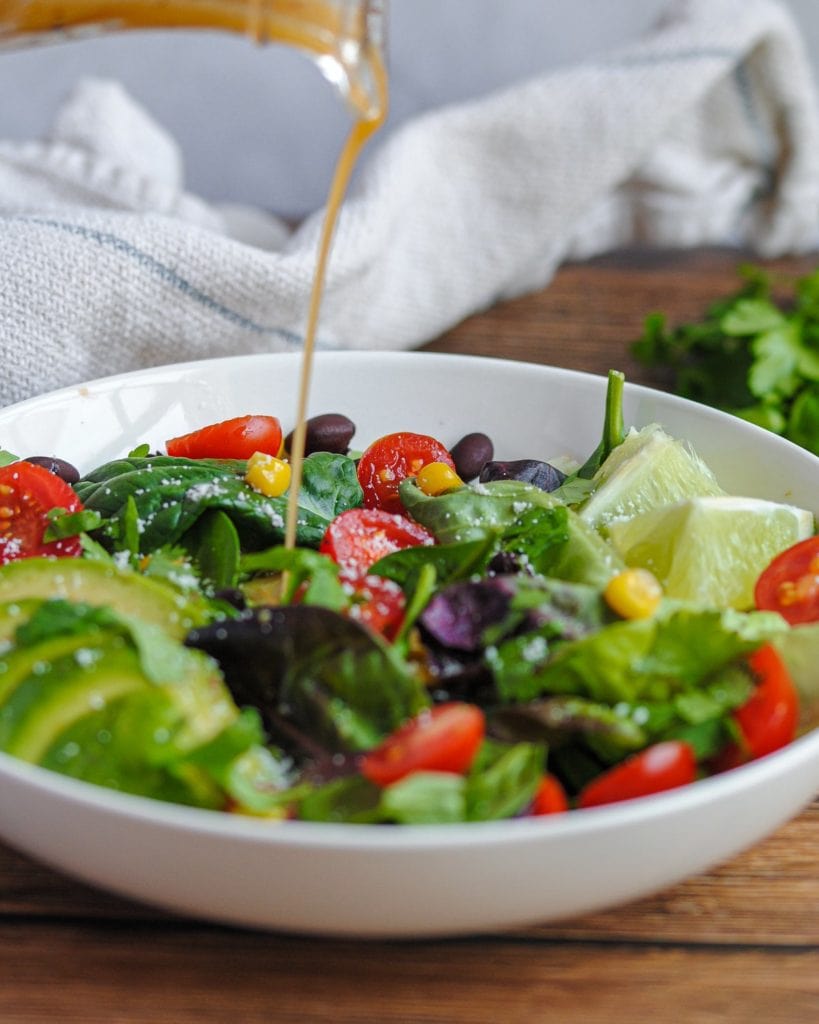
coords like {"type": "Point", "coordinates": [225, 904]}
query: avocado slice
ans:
{"type": "Point", "coordinates": [49, 701]}
{"type": "Point", "coordinates": [100, 720]}
{"type": "Point", "coordinates": [106, 748]}
{"type": "Point", "coordinates": [102, 583]}
{"type": "Point", "coordinates": [20, 663]}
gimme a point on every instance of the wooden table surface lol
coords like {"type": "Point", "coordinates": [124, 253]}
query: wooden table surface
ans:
{"type": "Point", "coordinates": [738, 944]}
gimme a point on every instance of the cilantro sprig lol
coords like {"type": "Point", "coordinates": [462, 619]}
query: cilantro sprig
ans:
{"type": "Point", "coordinates": [753, 354]}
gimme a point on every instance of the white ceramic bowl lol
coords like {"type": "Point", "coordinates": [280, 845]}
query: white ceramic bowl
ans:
{"type": "Point", "coordinates": [411, 881]}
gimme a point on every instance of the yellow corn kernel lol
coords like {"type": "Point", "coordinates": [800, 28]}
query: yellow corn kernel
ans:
{"type": "Point", "coordinates": [437, 478]}
{"type": "Point", "coordinates": [633, 593]}
{"type": "Point", "coordinates": [267, 474]}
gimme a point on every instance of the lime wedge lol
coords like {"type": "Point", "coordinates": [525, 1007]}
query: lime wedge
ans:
{"type": "Point", "coordinates": [710, 550]}
{"type": "Point", "coordinates": [647, 470]}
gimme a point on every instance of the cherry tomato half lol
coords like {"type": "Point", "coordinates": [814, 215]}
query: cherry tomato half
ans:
{"type": "Point", "coordinates": [238, 438]}
{"type": "Point", "coordinates": [663, 766]}
{"type": "Point", "coordinates": [550, 797]}
{"type": "Point", "coordinates": [769, 717]}
{"type": "Point", "coordinates": [790, 584]}
{"type": "Point", "coordinates": [377, 603]}
{"type": "Point", "coordinates": [393, 458]}
{"type": "Point", "coordinates": [27, 494]}
{"type": "Point", "coordinates": [357, 538]}
{"type": "Point", "coordinates": [443, 739]}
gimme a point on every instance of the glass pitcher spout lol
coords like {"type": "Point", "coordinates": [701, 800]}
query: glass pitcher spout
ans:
{"type": "Point", "coordinates": [345, 38]}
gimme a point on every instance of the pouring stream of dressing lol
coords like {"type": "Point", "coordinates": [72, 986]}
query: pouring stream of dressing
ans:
{"type": "Point", "coordinates": [363, 128]}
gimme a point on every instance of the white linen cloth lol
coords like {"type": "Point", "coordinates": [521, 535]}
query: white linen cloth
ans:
{"type": "Point", "coordinates": [705, 131]}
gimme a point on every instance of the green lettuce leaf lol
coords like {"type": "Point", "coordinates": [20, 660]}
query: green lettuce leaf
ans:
{"type": "Point", "coordinates": [630, 660]}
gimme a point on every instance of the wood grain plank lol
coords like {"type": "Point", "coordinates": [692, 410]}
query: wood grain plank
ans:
{"type": "Point", "coordinates": [590, 312]}
{"type": "Point", "coordinates": [208, 975]}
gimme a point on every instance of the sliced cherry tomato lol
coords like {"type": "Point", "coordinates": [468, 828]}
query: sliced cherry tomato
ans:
{"type": "Point", "coordinates": [393, 458]}
{"type": "Point", "coordinates": [790, 584]}
{"type": "Point", "coordinates": [357, 538]}
{"type": "Point", "coordinates": [27, 494]}
{"type": "Point", "coordinates": [663, 766]}
{"type": "Point", "coordinates": [238, 438]}
{"type": "Point", "coordinates": [378, 603]}
{"type": "Point", "coordinates": [443, 739]}
{"type": "Point", "coordinates": [768, 719]}
{"type": "Point", "coordinates": [550, 797]}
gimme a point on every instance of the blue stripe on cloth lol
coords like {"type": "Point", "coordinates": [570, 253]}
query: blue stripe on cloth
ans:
{"type": "Point", "coordinates": [162, 271]}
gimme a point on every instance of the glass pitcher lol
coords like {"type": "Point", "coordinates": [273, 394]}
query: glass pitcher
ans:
{"type": "Point", "coordinates": [343, 37]}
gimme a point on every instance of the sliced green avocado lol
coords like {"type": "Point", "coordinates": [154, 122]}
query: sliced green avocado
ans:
{"type": "Point", "coordinates": [19, 663]}
{"type": "Point", "coordinates": [98, 718]}
{"type": "Point", "coordinates": [100, 583]}
{"type": "Point", "coordinates": [106, 748]}
{"type": "Point", "coordinates": [199, 705]}
{"type": "Point", "coordinates": [65, 690]}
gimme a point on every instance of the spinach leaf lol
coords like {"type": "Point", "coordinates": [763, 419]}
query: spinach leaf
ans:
{"type": "Point", "coordinates": [329, 485]}
{"type": "Point", "coordinates": [473, 512]}
{"type": "Point", "coordinates": [151, 502]}
{"type": "Point", "coordinates": [451, 562]}
{"type": "Point", "coordinates": [213, 542]}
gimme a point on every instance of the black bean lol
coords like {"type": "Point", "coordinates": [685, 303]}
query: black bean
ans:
{"type": "Point", "coordinates": [330, 432]}
{"type": "Point", "coordinates": [471, 454]}
{"type": "Point", "coordinates": [59, 467]}
{"type": "Point", "coordinates": [530, 471]}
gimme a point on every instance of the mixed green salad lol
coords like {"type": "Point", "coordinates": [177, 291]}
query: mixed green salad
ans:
{"type": "Point", "coordinates": [452, 638]}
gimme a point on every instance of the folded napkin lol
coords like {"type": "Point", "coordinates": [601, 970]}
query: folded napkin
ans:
{"type": "Point", "coordinates": [705, 131]}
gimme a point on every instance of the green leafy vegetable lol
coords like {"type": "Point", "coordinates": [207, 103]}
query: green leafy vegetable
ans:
{"type": "Point", "coordinates": [214, 543]}
{"type": "Point", "coordinates": [753, 354]}
{"type": "Point", "coordinates": [153, 502]}
{"type": "Point", "coordinates": [315, 575]}
{"type": "Point", "coordinates": [633, 660]}
{"type": "Point", "coordinates": [503, 780]}
{"type": "Point", "coordinates": [63, 524]}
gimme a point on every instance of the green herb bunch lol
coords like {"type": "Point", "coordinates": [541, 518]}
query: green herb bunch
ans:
{"type": "Point", "coordinates": [753, 354]}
